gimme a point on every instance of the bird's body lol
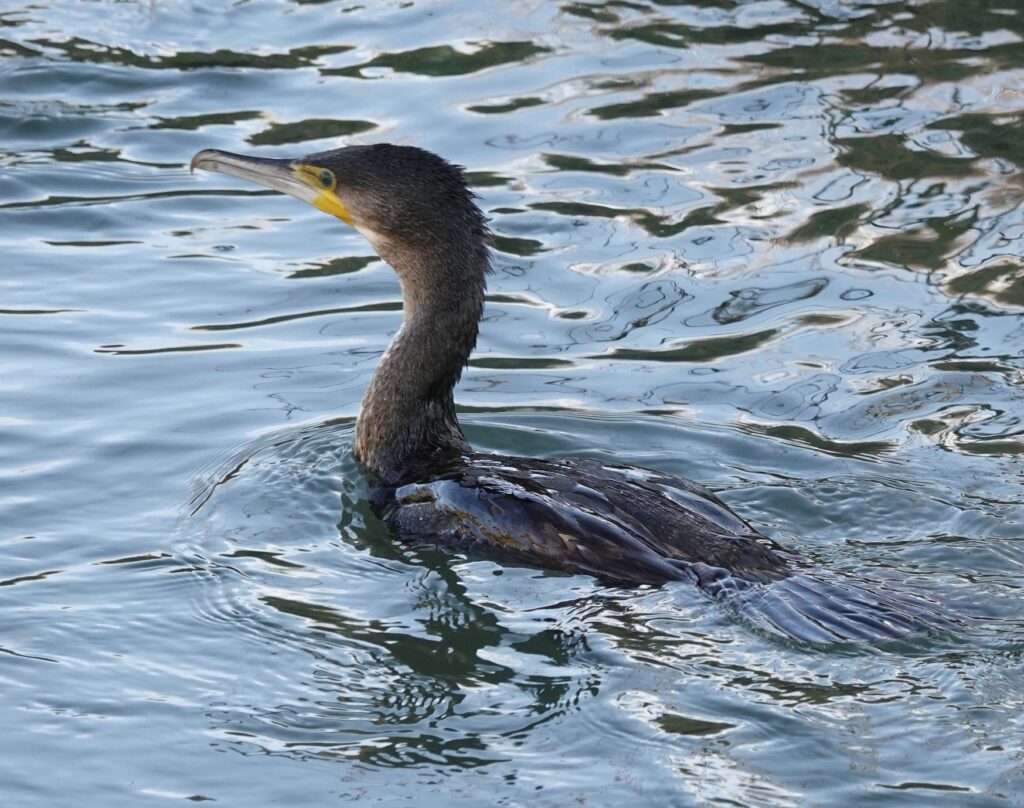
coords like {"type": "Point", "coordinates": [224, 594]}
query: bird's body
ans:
{"type": "Point", "coordinates": [620, 523]}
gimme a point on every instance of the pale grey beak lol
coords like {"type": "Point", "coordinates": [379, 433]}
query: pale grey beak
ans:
{"type": "Point", "coordinates": [275, 174]}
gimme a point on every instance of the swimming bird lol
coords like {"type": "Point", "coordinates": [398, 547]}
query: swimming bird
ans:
{"type": "Point", "coordinates": [623, 524]}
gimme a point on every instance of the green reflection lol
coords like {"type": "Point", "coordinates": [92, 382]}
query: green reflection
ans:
{"type": "Point", "coordinates": [444, 60]}
{"type": "Point", "coordinates": [929, 246]}
{"type": "Point", "coordinates": [999, 136]}
{"type": "Point", "coordinates": [523, 247]}
{"type": "Point", "coordinates": [345, 265]}
{"type": "Point", "coordinates": [651, 104]}
{"type": "Point", "coordinates": [193, 123]}
{"type": "Point", "coordinates": [507, 106]}
{"type": "Point", "coordinates": [83, 50]}
{"type": "Point", "coordinates": [807, 437]}
{"type": "Point", "coordinates": [311, 129]}
{"type": "Point", "coordinates": [836, 223]}
{"type": "Point", "coordinates": [1002, 283]}
{"type": "Point", "coordinates": [701, 350]}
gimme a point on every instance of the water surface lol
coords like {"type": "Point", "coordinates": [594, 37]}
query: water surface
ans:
{"type": "Point", "coordinates": [772, 246]}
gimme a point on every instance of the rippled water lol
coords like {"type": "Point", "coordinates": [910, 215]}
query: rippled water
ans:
{"type": "Point", "coordinates": [773, 246]}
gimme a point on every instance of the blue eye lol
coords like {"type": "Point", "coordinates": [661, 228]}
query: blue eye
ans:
{"type": "Point", "coordinates": [326, 178]}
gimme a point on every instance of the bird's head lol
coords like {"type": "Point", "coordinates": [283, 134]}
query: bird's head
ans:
{"type": "Point", "coordinates": [398, 197]}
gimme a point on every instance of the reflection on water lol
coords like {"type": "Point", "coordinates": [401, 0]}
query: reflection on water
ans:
{"type": "Point", "coordinates": [774, 246]}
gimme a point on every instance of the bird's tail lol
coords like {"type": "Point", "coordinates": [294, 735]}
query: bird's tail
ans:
{"type": "Point", "coordinates": [826, 607]}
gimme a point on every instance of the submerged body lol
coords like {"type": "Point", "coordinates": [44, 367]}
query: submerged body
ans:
{"type": "Point", "coordinates": [623, 524]}
{"type": "Point", "coordinates": [620, 523]}
{"type": "Point", "coordinates": [627, 526]}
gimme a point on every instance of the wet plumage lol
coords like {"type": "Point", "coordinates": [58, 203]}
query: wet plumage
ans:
{"type": "Point", "coordinates": [622, 524]}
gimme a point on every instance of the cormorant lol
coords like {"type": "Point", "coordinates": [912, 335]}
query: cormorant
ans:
{"type": "Point", "coordinates": [622, 524]}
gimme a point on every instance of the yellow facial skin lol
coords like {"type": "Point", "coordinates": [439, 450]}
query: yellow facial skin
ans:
{"type": "Point", "coordinates": [322, 181]}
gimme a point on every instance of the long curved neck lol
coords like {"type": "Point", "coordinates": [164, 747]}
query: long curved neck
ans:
{"type": "Point", "coordinates": [408, 424]}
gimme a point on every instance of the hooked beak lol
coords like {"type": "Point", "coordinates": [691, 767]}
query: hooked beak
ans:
{"type": "Point", "coordinates": [290, 177]}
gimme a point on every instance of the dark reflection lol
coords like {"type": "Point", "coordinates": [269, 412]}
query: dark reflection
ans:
{"type": "Point", "coordinates": [569, 162]}
{"type": "Point", "coordinates": [928, 247]}
{"type": "Point", "coordinates": [11, 49]}
{"type": "Point", "coordinates": [519, 363]}
{"type": "Point", "coordinates": [666, 226]}
{"type": "Point", "coordinates": [816, 62]}
{"type": "Point", "coordinates": [524, 247]}
{"type": "Point", "coordinates": [651, 104]}
{"type": "Point", "coordinates": [301, 315]}
{"type": "Point", "coordinates": [688, 650]}
{"type": "Point", "coordinates": [85, 154]}
{"type": "Point", "coordinates": [57, 200]}
{"type": "Point", "coordinates": [38, 311]}
{"type": "Point", "coordinates": [1001, 283]}
{"type": "Point", "coordinates": [78, 49]}
{"type": "Point", "coordinates": [172, 349]}
{"type": "Point", "coordinates": [837, 223]}
{"type": "Point", "coordinates": [647, 305]}
{"type": "Point", "coordinates": [600, 12]}
{"type": "Point", "coordinates": [21, 579]}
{"type": "Point", "coordinates": [675, 724]}
{"type": "Point", "coordinates": [655, 224]}
{"type": "Point", "coordinates": [807, 437]}
{"type": "Point", "coordinates": [507, 106]}
{"type": "Point", "coordinates": [486, 179]}
{"type": "Point", "coordinates": [312, 129]}
{"type": "Point", "coordinates": [988, 135]}
{"type": "Point", "coordinates": [192, 123]}
{"type": "Point", "coordinates": [701, 350]}
{"type": "Point", "coordinates": [676, 35]}
{"type": "Point", "coordinates": [444, 60]}
{"type": "Point", "coordinates": [888, 155]}
{"type": "Point", "coordinates": [456, 632]}
{"type": "Point", "coordinates": [402, 707]}
{"type": "Point", "coordinates": [336, 266]}
{"type": "Point", "coordinates": [89, 243]}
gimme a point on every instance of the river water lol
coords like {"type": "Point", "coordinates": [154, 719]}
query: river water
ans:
{"type": "Point", "coordinates": [773, 246]}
